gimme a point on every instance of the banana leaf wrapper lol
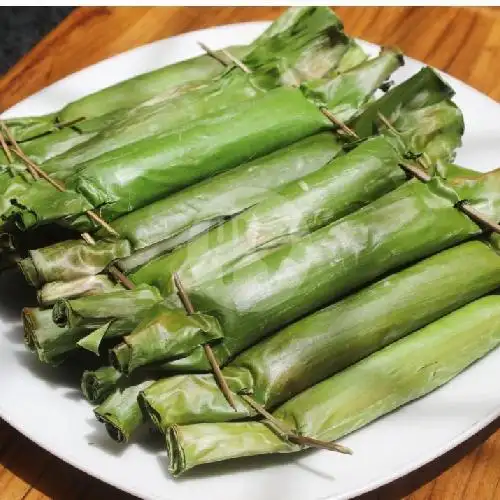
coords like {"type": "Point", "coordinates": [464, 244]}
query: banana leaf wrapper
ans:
{"type": "Point", "coordinates": [109, 314]}
{"type": "Point", "coordinates": [313, 30]}
{"type": "Point", "coordinates": [214, 200]}
{"type": "Point", "coordinates": [412, 222]}
{"type": "Point", "coordinates": [172, 221]}
{"type": "Point", "coordinates": [341, 187]}
{"type": "Point", "coordinates": [80, 287]}
{"type": "Point", "coordinates": [329, 340]}
{"type": "Point", "coordinates": [110, 101]}
{"type": "Point", "coordinates": [166, 334]}
{"type": "Point", "coordinates": [51, 343]}
{"type": "Point", "coordinates": [172, 161]}
{"type": "Point", "coordinates": [120, 413]}
{"type": "Point", "coordinates": [71, 259]}
{"type": "Point", "coordinates": [152, 168]}
{"type": "Point", "coordinates": [182, 215]}
{"type": "Point", "coordinates": [295, 26]}
{"type": "Point", "coordinates": [98, 384]}
{"type": "Point", "coordinates": [386, 380]}
{"type": "Point", "coordinates": [314, 33]}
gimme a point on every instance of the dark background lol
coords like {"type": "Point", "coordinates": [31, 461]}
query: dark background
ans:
{"type": "Point", "coordinates": [22, 27]}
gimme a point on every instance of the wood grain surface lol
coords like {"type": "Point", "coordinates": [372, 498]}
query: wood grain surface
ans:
{"type": "Point", "coordinates": [465, 42]}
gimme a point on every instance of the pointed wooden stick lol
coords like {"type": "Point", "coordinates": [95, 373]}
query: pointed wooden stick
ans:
{"type": "Point", "coordinates": [289, 434]}
{"type": "Point", "coordinates": [463, 206]}
{"type": "Point", "coordinates": [386, 122]}
{"type": "Point", "coordinates": [236, 61]}
{"type": "Point", "coordinates": [477, 217]}
{"type": "Point", "coordinates": [37, 172]}
{"type": "Point", "coordinates": [92, 215]}
{"type": "Point", "coordinates": [18, 150]}
{"type": "Point", "coordinates": [6, 149]}
{"type": "Point", "coordinates": [415, 171]}
{"type": "Point", "coordinates": [121, 277]}
{"type": "Point", "coordinates": [186, 302]}
{"type": "Point", "coordinates": [212, 53]}
{"type": "Point", "coordinates": [348, 131]}
{"type": "Point", "coordinates": [88, 239]}
{"type": "Point", "coordinates": [228, 54]}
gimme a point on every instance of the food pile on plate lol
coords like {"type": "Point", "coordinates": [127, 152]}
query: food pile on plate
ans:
{"type": "Point", "coordinates": [257, 250]}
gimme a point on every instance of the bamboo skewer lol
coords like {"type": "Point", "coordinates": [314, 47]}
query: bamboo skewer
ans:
{"type": "Point", "coordinates": [339, 123]}
{"type": "Point", "coordinates": [463, 206]}
{"type": "Point", "coordinates": [121, 277]}
{"type": "Point", "coordinates": [15, 147]}
{"type": "Point", "coordinates": [37, 172]}
{"type": "Point", "coordinates": [213, 53]}
{"type": "Point", "coordinates": [188, 306]}
{"type": "Point", "coordinates": [284, 431]}
{"type": "Point", "coordinates": [477, 217]}
{"type": "Point", "coordinates": [236, 61]}
{"type": "Point", "coordinates": [5, 148]}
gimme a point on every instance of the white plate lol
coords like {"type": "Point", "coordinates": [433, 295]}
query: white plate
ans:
{"type": "Point", "coordinates": [45, 406]}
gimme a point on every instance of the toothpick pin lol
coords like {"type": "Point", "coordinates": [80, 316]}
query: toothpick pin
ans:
{"type": "Point", "coordinates": [37, 172]}
{"type": "Point", "coordinates": [186, 302]}
{"type": "Point", "coordinates": [423, 176]}
{"type": "Point", "coordinates": [283, 430]}
{"type": "Point", "coordinates": [348, 131]}
{"type": "Point", "coordinates": [213, 53]}
{"type": "Point", "coordinates": [6, 149]}
{"type": "Point", "coordinates": [228, 54]}
{"type": "Point", "coordinates": [15, 147]}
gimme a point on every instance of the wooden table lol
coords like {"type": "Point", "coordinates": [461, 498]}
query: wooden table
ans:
{"type": "Point", "coordinates": [465, 42]}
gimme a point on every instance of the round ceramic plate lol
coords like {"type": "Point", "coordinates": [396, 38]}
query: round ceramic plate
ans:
{"type": "Point", "coordinates": [46, 406]}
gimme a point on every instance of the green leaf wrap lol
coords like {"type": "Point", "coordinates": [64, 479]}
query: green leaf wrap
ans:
{"type": "Point", "coordinates": [329, 340]}
{"type": "Point", "coordinates": [71, 259]}
{"type": "Point", "coordinates": [98, 384]}
{"type": "Point", "coordinates": [120, 412]}
{"type": "Point", "coordinates": [223, 196]}
{"type": "Point", "coordinates": [413, 221]}
{"type": "Point", "coordinates": [271, 61]}
{"type": "Point", "coordinates": [339, 188]}
{"type": "Point", "coordinates": [411, 367]}
{"type": "Point", "coordinates": [165, 332]}
{"type": "Point", "coordinates": [96, 310]}
{"type": "Point", "coordinates": [51, 342]}
{"type": "Point", "coordinates": [121, 181]}
{"type": "Point", "coordinates": [125, 94]}
{"type": "Point", "coordinates": [80, 287]}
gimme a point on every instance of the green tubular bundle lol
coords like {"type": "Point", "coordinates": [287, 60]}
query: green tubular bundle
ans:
{"type": "Point", "coordinates": [104, 316]}
{"type": "Point", "coordinates": [298, 27]}
{"type": "Point", "coordinates": [328, 282]}
{"type": "Point", "coordinates": [98, 384]}
{"type": "Point", "coordinates": [195, 209]}
{"type": "Point", "coordinates": [170, 161]}
{"type": "Point", "coordinates": [305, 34]}
{"type": "Point", "coordinates": [413, 221]}
{"type": "Point", "coordinates": [332, 339]}
{"type": "Point", "coordinates": [411, 367]}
